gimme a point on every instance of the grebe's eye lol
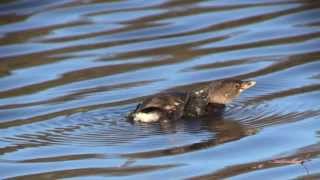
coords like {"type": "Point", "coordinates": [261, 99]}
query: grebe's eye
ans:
{"type": "Point", "coordinates": [237, 85]}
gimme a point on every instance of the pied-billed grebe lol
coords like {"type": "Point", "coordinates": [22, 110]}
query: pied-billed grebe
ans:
{"type": "Point", "coordinates": [172, 106]}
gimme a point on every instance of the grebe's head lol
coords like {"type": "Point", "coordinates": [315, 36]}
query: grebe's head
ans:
{"type": "Point", "coordinates": [224, 91]}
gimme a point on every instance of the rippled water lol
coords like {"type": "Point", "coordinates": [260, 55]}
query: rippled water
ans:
{"type": "Point", "coordinates": [70, 72]}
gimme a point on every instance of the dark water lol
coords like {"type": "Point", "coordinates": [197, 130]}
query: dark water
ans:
{"type": "Point", "coordinates": [70, 71]}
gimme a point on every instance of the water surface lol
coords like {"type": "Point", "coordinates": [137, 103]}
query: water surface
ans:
{"type": "Point", "coordinates": [70, 72]}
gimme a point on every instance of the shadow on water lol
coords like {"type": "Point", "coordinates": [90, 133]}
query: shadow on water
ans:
{"type": "Point", "coordinates": [71, 71]}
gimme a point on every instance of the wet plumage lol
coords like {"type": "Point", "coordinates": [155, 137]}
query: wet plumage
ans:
{"type": "Point", "coordinates": [164, 106]}
{"type": "Point", "coordinates": [197, 102]}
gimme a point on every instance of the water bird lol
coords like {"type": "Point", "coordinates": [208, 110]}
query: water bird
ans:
{"type": "Point", "coordinates": [195, 103]}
